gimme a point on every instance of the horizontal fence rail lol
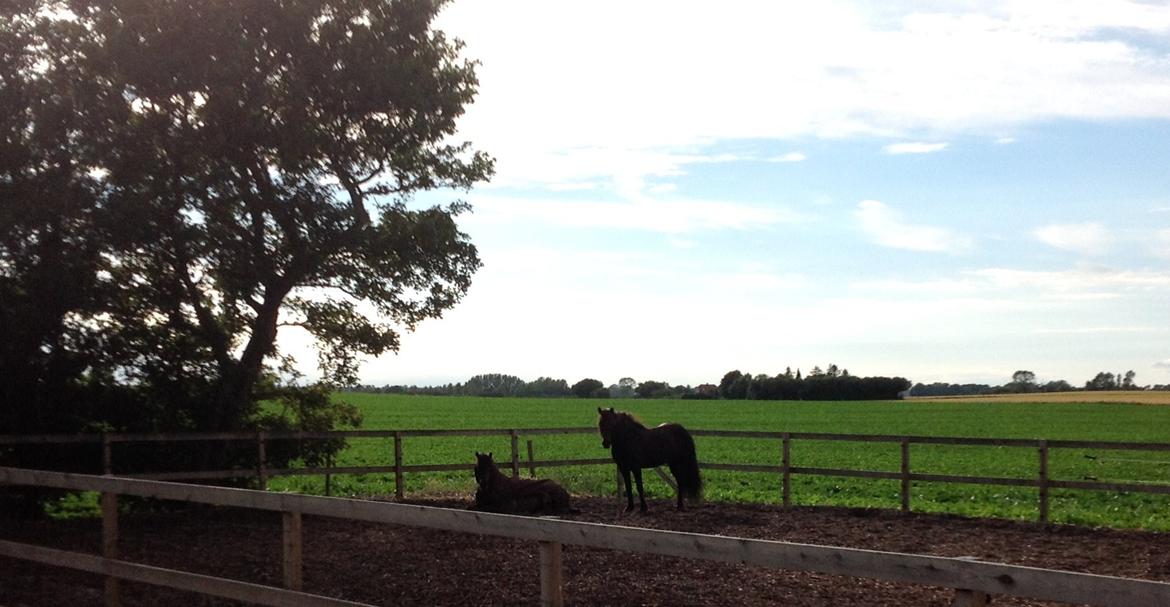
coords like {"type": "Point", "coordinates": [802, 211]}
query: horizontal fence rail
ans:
{"type": "Point", "coordinates": [967, 577]}
{"type": "Point", "coordinates": [127, 437]}
{"type": "Point", "coordinates": [170, 578]}
{"type": "Point", "coordinates": [785, 469]}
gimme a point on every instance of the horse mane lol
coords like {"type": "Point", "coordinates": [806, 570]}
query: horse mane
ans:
{"type": "Point", "coordinates": [627, 417]}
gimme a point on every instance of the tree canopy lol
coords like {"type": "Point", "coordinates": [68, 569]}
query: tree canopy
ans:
{"type": "Point", "coordinates": [589, 388]}
{"type": "Point", "coordinates": [180, 180]}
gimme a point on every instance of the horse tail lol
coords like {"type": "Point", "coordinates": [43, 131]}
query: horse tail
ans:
{"type": "Point", "coordinates": [686, 470]}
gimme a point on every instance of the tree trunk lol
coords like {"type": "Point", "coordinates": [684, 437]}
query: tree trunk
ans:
{"type": "Point", "coordinates": [238, 380]}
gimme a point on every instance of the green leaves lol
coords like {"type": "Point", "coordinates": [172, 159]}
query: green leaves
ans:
{"type": "Point", "coordinates": [256, 158]}
{"type": "Point", "coordinates": [342, 333]}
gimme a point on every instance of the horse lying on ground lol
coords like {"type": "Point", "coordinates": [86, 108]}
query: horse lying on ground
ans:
{"type": "Point", "coordinates": [499, 493]}
{"type": "Point", "coordinates": [635, 447]}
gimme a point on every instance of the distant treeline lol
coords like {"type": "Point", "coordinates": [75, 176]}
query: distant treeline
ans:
{"type": "Point", "coordinates": [1024, 382]}
{"type": "Point", "coordinates": [818, 385]}
{"type": "Point", "coordinates": [830, 384]}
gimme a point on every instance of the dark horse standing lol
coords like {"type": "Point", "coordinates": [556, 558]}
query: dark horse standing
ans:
{"type": "Point", "coordinates": [498, 493]}
{"type": "Point", "coordinates": [635, 447]}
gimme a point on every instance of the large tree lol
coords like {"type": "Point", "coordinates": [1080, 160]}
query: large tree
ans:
{"type": "Point", "coordinates": [1102, 381]}
{"type": "Point", "coordinates": [589, 388]}
{"type": "Point", "coordinates": [243, 165]}
{"type": "Point", "coordinates": [1022, 381]}
{"type": "Point", "coordinates": [51, 240]}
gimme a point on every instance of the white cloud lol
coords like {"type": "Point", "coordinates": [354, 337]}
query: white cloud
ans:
{"type": "Point", "coordinates": [644, 214]}
{"type": "Point", "coordinates": [789, 157]}
{"type": "Point", "coordinates": [781, 70]}
{"type": "Point", "coordinates": [1069, 281]}
{"type": "Point", "coordinates": [618, 124]}
{"type": "Point", "coordinates": [1163, 364]}
{"type": "Point", "coordinates": [549, 165]}
{"type": "Point", "coordinates": [1026, 288]}
{"type": "Point", "coordinates": [754, 280]}
{"type": "Point", "coordinates": [1099, 330]}
{"type": "Point", "coordinates": [662, 188]}
{"type": "Point", "coordinates": [1084, 238]}
{"type": "Point", "coordinates": [885, 227]}
{"type": "Point", "coordinates": [915, 147]}
{"type": "Point", "coordinates": [573, 186]}
{"type": "Point", "coordinates": [589, 300]}
{"type": "Point", "coordinates": [1161, 244]}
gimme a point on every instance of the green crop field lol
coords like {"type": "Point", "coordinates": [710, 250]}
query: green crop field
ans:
{"type": "Point", "coordinates": [1064, 420]}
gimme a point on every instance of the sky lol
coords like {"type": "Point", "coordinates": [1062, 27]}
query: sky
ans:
{"type": "Point", "coordinates": [944, 191]}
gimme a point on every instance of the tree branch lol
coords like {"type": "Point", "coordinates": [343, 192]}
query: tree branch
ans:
{"type": "Point", "coordinates": [357, 198]}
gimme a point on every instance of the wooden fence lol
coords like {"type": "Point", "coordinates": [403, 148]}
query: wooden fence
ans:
{"type": "Point", "coordinates": [784, 469]}
{"type": "Point", "coordinates": [972, 580]}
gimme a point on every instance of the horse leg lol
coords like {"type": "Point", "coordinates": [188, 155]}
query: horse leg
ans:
{"type": "Point", "coordinates": [641, 495]}
{"type": "Point", "coordinates": [629, 489]}
{"type": "Point", "coordinates": [678, 489]}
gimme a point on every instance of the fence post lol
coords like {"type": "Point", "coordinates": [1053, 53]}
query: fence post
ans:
{"type": "Point", "coordinates": [550, 575]}
{"type": "Point", "coordinates": [906, 475]}
{"type": "Point", "coordinates": [515, 453]}
{"type": "Point", "coordinates": [109, 505]}
{"type": "Point", "coordinates": [292, 551]}
{"type": "Point", "coordinates": [261, 463]}
{"type": "Point", "coordinates": [785, 470]}
{"type": "Point", "coordinates": [531, 461]}
{"type": "Point", "coordinates": [328, 477]}
{"type": "Point", "coordinates": [1044, 482]}
{"type": "Point", "coordinates": [107, 455]}
{"type": "Point", "coordinates": [399, 490]}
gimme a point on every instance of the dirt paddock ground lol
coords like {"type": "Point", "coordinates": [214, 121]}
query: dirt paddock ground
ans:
{"type": "Point", "coordinates": [390, 565]}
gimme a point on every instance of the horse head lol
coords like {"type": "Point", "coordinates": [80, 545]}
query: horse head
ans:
{"type": "Point", "coordinates": [483, 467]}
{"type": "Point", "coordinates": [605, 425]}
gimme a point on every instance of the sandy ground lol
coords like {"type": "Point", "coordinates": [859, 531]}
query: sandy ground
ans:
{"type": "Point", "coordinates": [388, 565]}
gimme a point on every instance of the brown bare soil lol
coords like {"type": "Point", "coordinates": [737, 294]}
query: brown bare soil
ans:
{"type": "Point", "coordinates": [389, 565]}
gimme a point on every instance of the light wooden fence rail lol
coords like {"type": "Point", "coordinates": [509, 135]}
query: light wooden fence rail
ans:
{"type": "Point", "coordinates": [784, 467]}
{"type": "Point", "coordinates": [971, 580]}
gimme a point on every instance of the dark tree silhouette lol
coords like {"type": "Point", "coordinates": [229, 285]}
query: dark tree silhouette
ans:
{"type": "Point", "coordinates": [181, 180]}
{"type": "Point", "coordinates": [589, 388]}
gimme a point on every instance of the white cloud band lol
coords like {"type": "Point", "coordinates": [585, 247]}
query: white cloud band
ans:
{"type": "Point", "coordinates": [1084, 238]}
{"type": "Point", "coordinates": [885, 227]}
{"type": "Point", "coordinates": [914, 148]}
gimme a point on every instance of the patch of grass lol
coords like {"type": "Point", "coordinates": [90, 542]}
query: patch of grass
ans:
{"type": "Point", "coordinates": [75, 504]}
{"type": "Point", "coordinates": [1088, 421]}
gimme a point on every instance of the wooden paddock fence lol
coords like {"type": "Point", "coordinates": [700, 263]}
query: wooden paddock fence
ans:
{"type": "Point", "coordinates": [972, 581]}
{"type": "Point", "coordinates": [784, 468]}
